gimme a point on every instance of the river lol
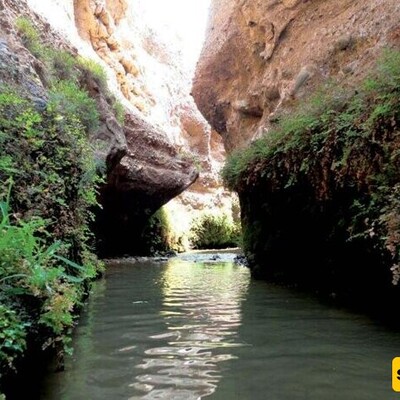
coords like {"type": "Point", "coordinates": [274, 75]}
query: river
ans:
{"type": "Point", "coordinates": [196, 326]}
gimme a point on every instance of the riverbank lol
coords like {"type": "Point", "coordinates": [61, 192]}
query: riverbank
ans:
{"type": "Point", "coordinates": [49, 181]}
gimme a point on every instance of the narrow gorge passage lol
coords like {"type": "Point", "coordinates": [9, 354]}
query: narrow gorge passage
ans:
{"type": "Point", "coordinates": [134, 134]}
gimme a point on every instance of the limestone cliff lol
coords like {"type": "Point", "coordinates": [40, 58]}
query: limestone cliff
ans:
{"type": "Point", "coordinates": [260, 56]}
{"type": "Point", "coordinates": [164, 142]}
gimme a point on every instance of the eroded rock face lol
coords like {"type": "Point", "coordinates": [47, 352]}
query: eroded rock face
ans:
{"type": "Point", "coordinates": [155, 86]}
{"type": "Point", "coordinates": [261, 59]}
{"type": "Point", "coordinates": [150, 76]}
{"type": "Point", "coordinates": [149, 176]}
{"type": "Point", "coordinates": [260, 56]}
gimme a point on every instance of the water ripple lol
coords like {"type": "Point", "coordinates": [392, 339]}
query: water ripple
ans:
{"type": "Point", "coordinates": [202, 314]}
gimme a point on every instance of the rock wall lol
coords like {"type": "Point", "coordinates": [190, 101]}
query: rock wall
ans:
{"type": "Point", "coordinates": [19, 67]}
{"type": "Point", "coordinates": [262, 56]}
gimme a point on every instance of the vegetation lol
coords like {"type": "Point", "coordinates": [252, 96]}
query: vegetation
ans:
{"type": "Point", "coordinates": [48, 190]}
{"type": "Point", "coordinates": [65, 71]}
{"type": "Point", "coordinates": [65, 97]}
{"type": "Point", "coordinates": [156, 234]}
{"type": "Point", "coordinates": [119, 111]}
{"type": "Point", "coordinates": [48, 187]}
{"type": "Point", "coordinates": [30, 270]}
{"type": "Point", "coordinates": [30, 36]}
{"type": "Point", "coordinates": [89, 69]}
{"type": "Point", "coordinates": [159, 237]}
{"type": "Point", "coordinates": [95, 70]}
{"type": "Point", "coordinates": [339, 141]}
{"type": "Point", "coordinates": [215, 231]}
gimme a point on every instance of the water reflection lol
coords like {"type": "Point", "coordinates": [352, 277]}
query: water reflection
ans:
{"type": "Point", "coordinates": [179, 330]}
{"type": "Point", "coordinates": [202, 313]}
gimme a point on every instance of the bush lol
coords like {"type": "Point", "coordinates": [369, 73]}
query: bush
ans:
{"type": "Point", "coordinates": [61, 65]}
{"type": "Point", "coordinates": [95, 70]}
{"type": "Point", "coordinates": [119, 111]}
{"type": "Point", "coordinates": [156, 233]}
{"type": "Point", "coordinates": [158, 236]}
{"type": "Point", "coordinates": [43, 221]}
{"type": "Point", "coordinates": [67, 99]}
{"type": "Point", "coordinates": [67, 76]}
{"type": "Point", "coordinates": [48, 155]}
{"type": "Point", "coordinates": [31, 268]}
{"type": "Point", "coordinates": [12, 337]}
{"type": "Point", "coordinates": [90, 69]}
{"type": "Point", "coordinates": [30, 36]}
{"type": "Point", "coordinates": [214, 232]}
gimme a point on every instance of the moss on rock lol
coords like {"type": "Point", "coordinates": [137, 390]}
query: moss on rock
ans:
{"type": "Point", "coordinates": [320, 192]}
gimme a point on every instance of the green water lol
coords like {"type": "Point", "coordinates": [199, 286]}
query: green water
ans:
{"type": "Point", "coordinates": [193, 327]}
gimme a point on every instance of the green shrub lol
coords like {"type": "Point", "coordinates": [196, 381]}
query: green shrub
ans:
{"type": "Point", "coordinates": [61, 65]}
{"type": "Point", "coordinates": [30, 36]}
{"type": "Point", "coordinates": [44, 220]}
{"type": "Point", "coordinates": [214, 232]}
{"type": "Point", "coordinates": [31, 268]}
{"type": "Point", "coordinates": [155, 234]}
{"type": "Point", "coordinates": [94, 70]}
{"type": "Point", "coordinates": [12, 336]}
{"type": "Point", "coordinates": [49, 153]}
{"type": "Point", "coordinates": [66, 98]}
{"type": "Point", "coordinates": [67, 76]}
{"type": "Point", "coordinates": [119, 111]}
{"type": "Point", "coordinates": [158, 236]}
{"type": "Point", "coordinates": [90, 69]}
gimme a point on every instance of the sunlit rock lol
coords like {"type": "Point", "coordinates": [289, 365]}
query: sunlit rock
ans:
{"type": "Point", "coordinates": [259, 56]}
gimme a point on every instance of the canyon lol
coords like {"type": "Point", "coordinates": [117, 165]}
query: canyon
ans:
{"type": "Point", "coordinates": [164, 149]}
{"type": "Point", "coordinates": [260, 62]}
{"type": "Point", "coordinates": [293, 105]}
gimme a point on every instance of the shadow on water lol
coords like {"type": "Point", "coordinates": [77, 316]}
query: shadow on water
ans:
{"type": "Point", "coordinates": [196, 326]}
